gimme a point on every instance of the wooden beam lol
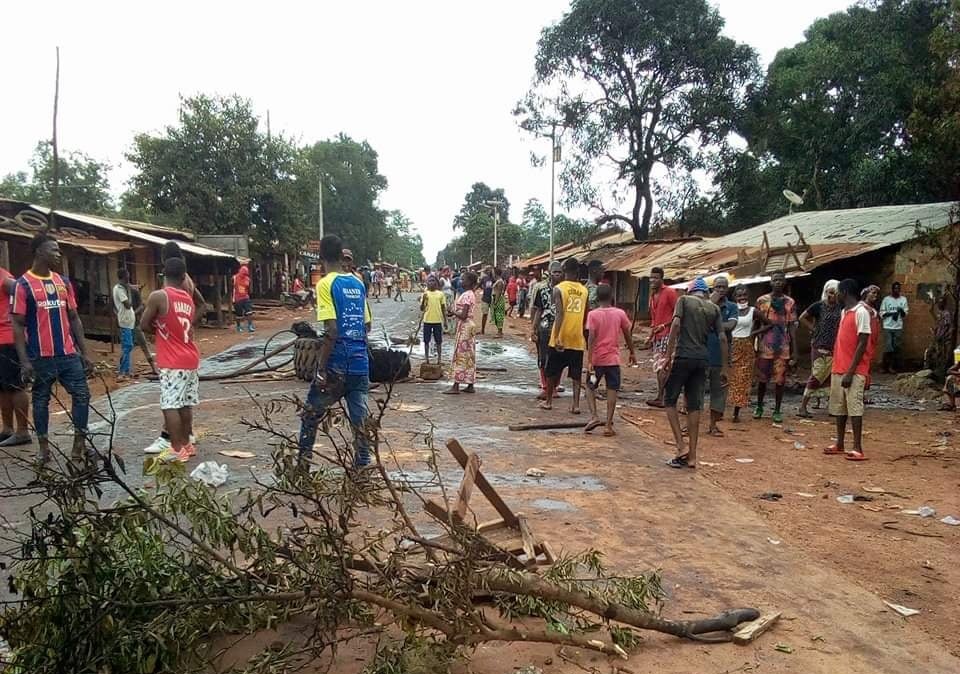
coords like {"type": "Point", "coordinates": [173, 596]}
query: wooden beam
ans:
{"type": "Point", "coordinates": [438, 512]}
{"type": "Point", "coordinates": [485, 487]}
{"type": "Point", "coordinates": [466, 486]}
{"type": "Point", "coordinates": [529, 542]}
{"type": "Point", "coordinates": [747, 632]}
{"type": "Point", "coordinates": [546, 426]}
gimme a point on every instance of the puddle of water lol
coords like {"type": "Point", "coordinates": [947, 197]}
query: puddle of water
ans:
{"type": "Point", "coordinates": [552, 504]}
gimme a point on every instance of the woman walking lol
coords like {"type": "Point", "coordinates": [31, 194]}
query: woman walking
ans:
{"type": "Point", "coordinates": [498, 305]}
{"type": "Point", "coordinates": [743, 355]}
{"type": "Point", "coordinates": [512, 289]}
{"type": "Point", "coordinates": [823, 320]}
{"type": "Point", "coordinates": [465, 349]}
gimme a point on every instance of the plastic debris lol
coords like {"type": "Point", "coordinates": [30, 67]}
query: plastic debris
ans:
{"type": "Point", "coordinates": [902, 610]}
{"type": "Point", "coordinates": [951, 520]}
{"type": "Point", "coordinates": [799, 445]}
{"type": "Point", "coordinates": [805, 494]}
{"type": "Point", "coordinates": [536, 472]}
{"type": "Point", "coordinates": [773, 541]}
{"type": "Point", "coordinates": [744, 460]}
{"type": "Point", "coordinates": [845, 498]}
{"type": "Point", "coordinates": [708, 464]}
{"type": "Point", "coordinates": [783, 648]}
{"type": "Point", "coordinates": [211, 473]}
{"type": "Point", "coordinates": [922, 511]}
{"type": "Point", "coordinates": [237, 454]}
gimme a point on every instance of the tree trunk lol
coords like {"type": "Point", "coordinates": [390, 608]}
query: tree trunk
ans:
{"type": "Point", "coordinates": [639, 190]}
{"type": "Point", "coordinates": [647, 210]}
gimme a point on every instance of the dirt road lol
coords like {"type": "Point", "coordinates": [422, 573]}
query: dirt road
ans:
{"type": "Point", "coordinates": [827, 566]}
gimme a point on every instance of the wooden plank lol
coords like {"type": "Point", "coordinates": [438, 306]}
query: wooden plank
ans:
{"type": "Point", "coordinates": [529, 542]}
{"type": "Point", "coordinates": [548, 552]}
{"type": "Point", "coordinates": [546, 426]}
{"type": "Point", "coordinates": [485, 487]}
{"type": "Point", "coordinates": [466, 486]}
{"type": "Point", "coordinates": [751, 630]}
{"type": "Point", "coordinates": [436, 510]}
{"type": "Point", "coordinates": [491, 525]}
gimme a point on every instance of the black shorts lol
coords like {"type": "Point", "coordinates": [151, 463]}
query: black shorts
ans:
{"type": "Point", "coordinates": [689, 376]}
{"type": "Point", "coordinates": [568, 359]}
{"type": "Point", "coordinates": [243, 308]}
{"type": "Point", "coordinates": [543, 346]}
{"type": "Point", "coordinates": [434, 331]}
{"type": "Point", "coordinates": [10, 379]}
{"type": "Point", "coordinates": [607, 373]}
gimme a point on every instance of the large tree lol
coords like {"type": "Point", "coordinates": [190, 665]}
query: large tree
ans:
{"type": "Point", "coordinates": [478, 200]}
{"type": "Point", "coordinates": [833, 114]}
{"type": "Point", "coordinates": [402, 244]}
{"type": "Point", "coordinates": [83, 184]}
{"type": "Point", "coordinates": [635, 84]}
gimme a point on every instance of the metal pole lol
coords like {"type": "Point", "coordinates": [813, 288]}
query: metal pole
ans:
{"type": "Point", "coordinates": [320, 203]}
{"type": "Point", "coordinates": [496, 222]}
{"type": "Point", "coordinates": [553, 157]}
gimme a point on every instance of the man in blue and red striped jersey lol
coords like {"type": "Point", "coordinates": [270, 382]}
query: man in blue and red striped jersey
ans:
{"type": "Point", "coordinates": [49, 339]}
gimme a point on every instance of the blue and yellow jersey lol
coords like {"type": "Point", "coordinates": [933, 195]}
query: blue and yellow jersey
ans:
{"type": "Point", "coordinates": [341, 297]}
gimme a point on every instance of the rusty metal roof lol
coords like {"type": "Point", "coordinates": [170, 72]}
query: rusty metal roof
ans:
{"type": "Point", "coordinates": [95, 246]}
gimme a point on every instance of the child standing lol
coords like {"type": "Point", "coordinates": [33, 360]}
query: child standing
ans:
{"type": "Point", "coordinates": [605, 324]}
{"type": "Point", "coordinates": [169, 314]}
{"type": "Point", "coordinates": [433, 304]}
{"type": "Point", "coordinates": [242, 306]}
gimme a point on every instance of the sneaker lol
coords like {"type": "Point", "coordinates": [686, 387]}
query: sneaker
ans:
{"type": "Point", "coordinates": [183, 455]}
{"type": "Point", "coordinates": [159, 446]}
{"type": "Point", "coordinates": [188, 450]}
{"type": "Point", "coordinates": [250, 329]}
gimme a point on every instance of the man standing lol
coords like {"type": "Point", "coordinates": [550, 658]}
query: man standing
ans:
{"type": "Point", "coordinates": [687, 361]}
{"type": "Point", "coordinates": [50, 344]}
{"type": "Point", "coordinates": [342, 366]}
{"type": "Point", "coordinates": [170, 315]}
{"type": "Point", "coordinates": [126, 320]}
{"type": "Point", "coordinates": [433, 306]}
{"type": "Point", "coordinates": [541, 320]}
{"type": "Point", "coordinates": [851, 368]}
{"type": "Point", "coordinates": [893, 310]}
{"type": "Point", "coordinates": [594, 278]}
{"type": "Point", "coordinates": [486, 297]}
{"type": "Point", "coordinates": [242, 306]}
{"type": "Point", "coordinates": [777, 314]}
{"type": "Point", "coordinates": [716, 376]}
{"type": "Point", "coordinates": [605, 324]}
{"type": "Point", "coordinates": [13, 399]}
{"type": "Point", "coordinates": [663, 301]}
{"type": "Point", "coordinates": [567, 341]}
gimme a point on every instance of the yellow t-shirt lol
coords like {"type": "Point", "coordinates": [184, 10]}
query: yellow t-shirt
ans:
{"type": "Point", "coordinates": [574, 297]}
{"type": "Point", "coordinates": [436, 305]}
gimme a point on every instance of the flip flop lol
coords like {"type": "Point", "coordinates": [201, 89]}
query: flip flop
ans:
{"type": "Point", "coordinates": [656, 403]}
{"type": "Point", "coordinates": [592, 425]}
{"type": "Point", "coordinates": [451, 392]}
{"type": "Point", "coordinates": [716, 433]}
{"type": "Point", "coordinates": [544, 406]}
{"type": "Point", "coordinates": [833, 449]}
{"type": "Point", "coordinates": [679, 461]}
{"type": "Point", "coordinates": [855, 456]}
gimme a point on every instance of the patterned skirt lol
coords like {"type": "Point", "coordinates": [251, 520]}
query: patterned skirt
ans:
{"type": "Point", "coordinates": [741, 371]}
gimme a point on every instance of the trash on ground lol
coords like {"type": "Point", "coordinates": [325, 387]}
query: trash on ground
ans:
{"type": "Point", "coordinates": [922, 511]}
{"type": "Point", "coordinates": [744, 460]}
{"type": "Point", "coordinates": [237, 454]}
{"type": "Point", "coordinates": [773, 541]}
{"type": "Point", "coordinates": [951, 520]}
{"type": "Point", "coordinates": [407, 407]}
{"type": "Point", "coordinates": [707, 463]}
{"type": "Point", "coordinates": [799, 445]}
{"type": "Point", "coordinates": [211, 473]}
{"type": "Point", "coordinates": [902, 610]}
{"type": "Point", "coordinates": [536, 472]}
{"type": "Point", "coordinates": [805, 494]}
{"type": "Point", "coordinates": [783, 648]}
{"type": "Point", "coordinates": [770, 496]}
{"type": "Point", "coordinates": [875, 490]}
{"type": "Point", "coordinates": [845, 498]}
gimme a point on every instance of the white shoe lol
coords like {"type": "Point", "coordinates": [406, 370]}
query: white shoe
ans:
{"type": "Point", "coordinates": [193, 439]}
{"type": "Point", "coordinates": [159, 446]}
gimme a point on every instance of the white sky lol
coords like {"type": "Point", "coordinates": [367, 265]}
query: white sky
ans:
{"type": "Point", "coordinates": [430, 84]}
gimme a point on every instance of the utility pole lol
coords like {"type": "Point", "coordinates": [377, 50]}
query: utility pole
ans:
{"type": "Point", "coordinates": [496, 203]}
{"type": "Point", "coordinates": [554, 158]}
{"type": "Point", "coordinates": [320, 203]}
{"type": "Point", "coordinates": [55, 185]}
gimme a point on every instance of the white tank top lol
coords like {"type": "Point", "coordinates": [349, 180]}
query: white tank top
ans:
{"type": "Point", "coordinates": [744, 324]}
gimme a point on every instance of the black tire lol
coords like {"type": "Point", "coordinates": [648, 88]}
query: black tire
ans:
{"type": "Point", "coordinates": [306, 355]}
{"type": "Point", "coordinates": [284, 358]}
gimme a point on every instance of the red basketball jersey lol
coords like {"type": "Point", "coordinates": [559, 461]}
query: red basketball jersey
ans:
{"type": "Point", "coordinates": [176, 349]}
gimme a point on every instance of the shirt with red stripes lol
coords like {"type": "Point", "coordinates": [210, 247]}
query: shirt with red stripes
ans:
{"type": "Point", "coordinates": [176, 349]}
{"type": "Point", "coordinates": [6, 325]}
{"type": "Point", "coordinates": [45, 303]}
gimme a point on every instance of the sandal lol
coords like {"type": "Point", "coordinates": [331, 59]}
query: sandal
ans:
{"type": "Point", "coordinates": [679, 461]}
{"type": "Point", "coordinates": [855, 456]}
{"type": "Point", "coordinates": [833, 449]}
{"type": "Point", "coordinates": [716, 433]}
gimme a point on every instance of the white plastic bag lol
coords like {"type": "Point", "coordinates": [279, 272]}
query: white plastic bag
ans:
{"type": "Point", "coordinates": [211, 473]}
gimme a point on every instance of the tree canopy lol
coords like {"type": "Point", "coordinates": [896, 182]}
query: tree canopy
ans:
{"type": "Point", "coordinates": [635, 84]}
{"type": "Point", "coordinates": [83, 183]}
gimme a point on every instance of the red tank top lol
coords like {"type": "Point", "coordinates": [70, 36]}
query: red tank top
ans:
{"type": "Point", "coordinates": [176, 349]}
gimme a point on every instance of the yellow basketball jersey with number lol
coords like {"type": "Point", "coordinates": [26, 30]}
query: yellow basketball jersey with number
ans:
{"type": "Point", "coordinates": [574, 298]}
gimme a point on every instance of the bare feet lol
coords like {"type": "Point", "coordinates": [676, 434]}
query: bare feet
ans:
{"type": "Point", "coordinates": [574, 410]}
{"type": "Point", "coordinates": [592, 424]}
{"type": "Point", "coordinates": [452, 391]}
{"type": "Point", "coordinates": [545, 405]}
{"type": "Point", "coordinates": [608, 432]}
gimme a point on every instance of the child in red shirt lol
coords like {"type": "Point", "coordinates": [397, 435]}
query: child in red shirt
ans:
{"type": "Point", "coordinates": [605, 324]}
{"type": "Point", "coordinates": [169, 314]}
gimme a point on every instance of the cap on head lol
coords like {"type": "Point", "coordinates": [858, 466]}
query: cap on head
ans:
{"type": "Point", "coordinates": [698, 285]}
{"type": "Point", "coordinates": [348, 254]}
{"type": "Point", "coordinates": [556, 267]}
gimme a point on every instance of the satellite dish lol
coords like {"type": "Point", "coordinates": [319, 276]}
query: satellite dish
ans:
{"type": "Point", "coordinates": [793, 197]}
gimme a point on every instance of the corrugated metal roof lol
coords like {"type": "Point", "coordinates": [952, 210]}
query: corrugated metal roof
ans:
{"type": "Point", "coordinates": [95, 246]}
{"type": "Point", "coordinates": [109, 225]}
{"type": "Point", "coordinates": [613, 237]}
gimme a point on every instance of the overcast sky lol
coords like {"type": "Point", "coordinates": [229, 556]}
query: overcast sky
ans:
{"type": "Point", "coordinates": [429, 84]}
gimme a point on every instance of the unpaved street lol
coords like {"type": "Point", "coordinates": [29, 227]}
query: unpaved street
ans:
{"type": "Point", "coordinates": [827, 566]}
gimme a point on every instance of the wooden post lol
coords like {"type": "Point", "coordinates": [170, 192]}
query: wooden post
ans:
{"type": "Point", "coordinates": [217, 299]}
